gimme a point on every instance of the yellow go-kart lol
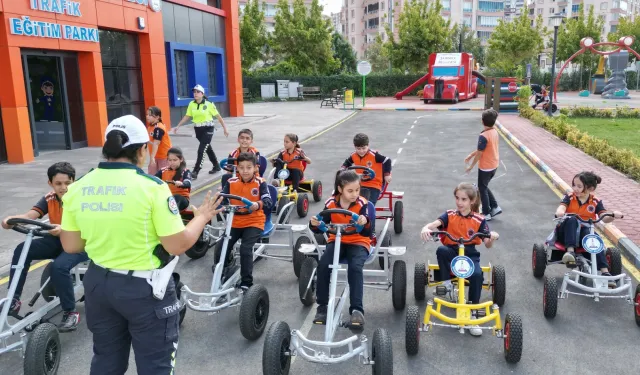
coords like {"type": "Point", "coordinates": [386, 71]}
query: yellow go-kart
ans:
{"type": "Point", "coordinates": [287, 193]}
{"type": "Point", "coordinates": [461, 268]}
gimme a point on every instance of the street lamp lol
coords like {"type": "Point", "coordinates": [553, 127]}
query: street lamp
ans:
{"type": "Point", "coordinates": [556, 21]}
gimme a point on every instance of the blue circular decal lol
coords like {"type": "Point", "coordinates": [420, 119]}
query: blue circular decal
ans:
{"type": "Point", "coordinates": [462, 266]}
{"type": "Point", "coordinates": [283, 174]}
{"type": "Point", "coordinates": [592, 243]}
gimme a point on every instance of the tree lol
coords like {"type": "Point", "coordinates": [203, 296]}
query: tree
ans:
{"type": "Point", "coordinates": [572, 31]}
{"type": "Point", "coordinates": [343, 53]}
{"type": "Point", "coordinates": [628, 28]}
{"type": "Point", "coordinates": [253, 34]}
{"type": "Point", "coordinates": [377, 55]}
{"type": "Point", "coordinates": [470, 43]}
{"type": "Point", "coordinates": [515, 43]}
{"type": "Point", "coordinates": [421, 32]}
{"type": "Point", "coordinates": [302, 39]}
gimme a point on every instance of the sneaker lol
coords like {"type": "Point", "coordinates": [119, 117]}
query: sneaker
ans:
{"type": "Point", "coordinates": [569, 259]}
{"type": "Point", "coordinates": [475, 330]}
{"type": "Point", "coordinates": [612, 283]}
{"type": "Point", "coordinates": [496, 211]}
{"type": "Point", "coordinates": [357, 319]}
{"type": "Point", "coordinates": [321, 315]}
{"type": "Point", "coordinates": [70, 320]}
{"type": "Point", "coordinates": [194, 175]}
{"type": "Point", "coordinates": [14, 309]}
{"type": "Point", "coordinates": [216, 168]}
{"type": "Point", "coordinates": [487, 217]}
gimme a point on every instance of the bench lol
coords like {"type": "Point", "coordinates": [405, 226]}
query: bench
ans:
{"type": "Point", "coordinates": [335, 98]}
{"type": "Point", "coordinates": [308, 91]}
{"type": "Point", "coordinates": [246, 95]}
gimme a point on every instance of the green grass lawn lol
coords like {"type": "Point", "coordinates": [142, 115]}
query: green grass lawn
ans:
{"type": "Point", "coordinates": [621, 133]}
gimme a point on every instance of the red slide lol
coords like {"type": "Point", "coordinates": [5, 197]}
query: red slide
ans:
{"type": "Point", "coordinates": [412, 87]}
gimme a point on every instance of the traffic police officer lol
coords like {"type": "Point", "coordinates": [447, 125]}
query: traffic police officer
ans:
{"type": "Point", "coordinates": [128, 223]}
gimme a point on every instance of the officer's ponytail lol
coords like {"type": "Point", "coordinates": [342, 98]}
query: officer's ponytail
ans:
{"type": "Point", "coordinates": [113, 149]}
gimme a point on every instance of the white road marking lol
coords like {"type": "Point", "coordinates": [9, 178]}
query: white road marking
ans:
{"type": "Point", "coordinates": [412, 126]}
{"type": "Point", "coordinates": [393, 162]}
{"type": "Point", "coordinates": [424, 116]}
{"type": "Point", "coordinates": [399, 150]}
{"type": "Point", "coordinates": [500, 176]}
{"type": "Point", "coordinates": [505, 167]}
{"type": "Point", "coordinates": [409, 133]}
{"type": "Point", "coordinates": [405, 141]}
{"type": "Point", "coordinates": [521, 170]}
{"type": "Point", "coordinates": [415, 122]}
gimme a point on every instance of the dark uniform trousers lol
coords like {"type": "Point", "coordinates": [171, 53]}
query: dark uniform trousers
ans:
{"type": "Point", "coordinates": [121, 312]}
{"type": "Point", "coordinates": [249, 236]}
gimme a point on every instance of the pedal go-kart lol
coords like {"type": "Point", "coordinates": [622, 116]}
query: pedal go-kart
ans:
{"type": "Point", "coordinates": [461, 268]}
{"type": "Point", "coordinates": [225, 290]}
{"type": "Point", "coordinates": [585, 276]}
{"type": "Point", "coordinates": [286, 193]}
{"type": "Point", "coordinates": [281, 343]}
{"type": "Point", "coordinates": [39, 342]}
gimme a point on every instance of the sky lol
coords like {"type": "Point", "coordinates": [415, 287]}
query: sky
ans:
{"type": "Point", "coordinates": [331, 6]}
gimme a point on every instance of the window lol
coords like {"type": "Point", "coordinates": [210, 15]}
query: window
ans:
{"type": "Point", "coordinates": [490, 6]}
{"type": "Point", "coordinates": [212, 64]}
{"type": "Point", "coordinates": [182, 74]}
{"type": "Point", "coordinates": [353, 27]}
{"type": "Point", "coordinates": [484, 35]}
{"type": "Point", "coordinates": [614, 28]}
{"type": "Point", "coordinates": [353, 13]}
{"type": "Point", "coordinates": [539, 10]}
{"type": "Point", "coordinates": [552, 11]}
{"type": "Point", "coordinates": [270, 11]}
{"type": "Point", "coordinates": [603, 6]}
{"type": "Point", "coordinates": [467, 7]}
{"type": "Point", "coordinates": [214, 3]}
{"type": "Point", "coordinates": [575, 8]}
{"type": "Point", "coordinates": [446, 4]}
{"type": "Point", "coordinates": [353, 40]}
{"type": "Point", "coordinates": [488, 21]}
{"type": "Point", "coordinates": [122, 74]}
{"type": "Point", "coordinates": [467, 21]}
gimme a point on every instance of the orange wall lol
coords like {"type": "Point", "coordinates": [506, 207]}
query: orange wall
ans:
{"type": "Point", "coordinates": [113, 14]}
{"type": "Point", "coordinates": [234, 67]}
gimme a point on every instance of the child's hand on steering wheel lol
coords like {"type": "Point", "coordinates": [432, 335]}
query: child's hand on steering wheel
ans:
{"type": "Point", "coordinates": [314, 221]}
{"type": "Point", "coordinates": [4, 223]}
{"type": "Point", "coordinates": [255, 206]}
{"type": "Point", "coordinates": [387, 179]}
{"type": "Point", "coordinates": [425, 234]}
{"type": "Point", "coordinates": [362, 220]}
{"type": "Point", "coordinates": [617, 215]}
{"type": "Point", "coordinates": [494, 236]}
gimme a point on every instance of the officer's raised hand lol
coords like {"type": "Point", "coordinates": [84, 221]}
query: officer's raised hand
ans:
{"type": "Point", "coordinates": [208, 208]}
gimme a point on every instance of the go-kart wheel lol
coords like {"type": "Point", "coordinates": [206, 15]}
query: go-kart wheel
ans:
{"type": "Point", "coordinates": [550, 297]}
{"type": "Point", "coordinates": [297, 256]}
{"type": "Point", "coordinates": [302, 205]}
{"type": "Point", "coordinates": [316, 189]}
{"type": "Point", "coordinates": [320, 238]}
{"type": "Point", "coordinates": [513, 338]}
{"type": "Point", "coordinates": [275, 360]}
{"type": "Point", "coordinates": [42, 355]}
{"type": "Point", "coordinates": [636, 309]}
{"type": "Point", "coordinates": [498, 285]}
{"type": "Point", "coordinates": [398, 215]}
{"type": "Point", "coordinates": [386, 242]}
{"type": "Point", "coordinates": [307, 297]}
{"type": "Point", "coordinates": [382, 352]}
{"type": "Point", "coordinates": [199, 249]}
{"type": "Point", "coordinates": [419, 281]}
{"type": "Point", "coordinates": [412, 330]}
{"type": "Point", "coordinates": [538, 260]}
{"type": "Point", "coordinates": [183, 309]}
{"type": "Point", "coordinates": [49, 291]}
{"type": "Point", "coordinates": [254, 312]}
{"type": "Point", "coordinates": [281, 203]}
{"type": "Point", "coordinates": [217, 251]}
{"type": "Point", "coordinates": [399, 285]}
{"type": "Point", "coordinates": [615, 261]}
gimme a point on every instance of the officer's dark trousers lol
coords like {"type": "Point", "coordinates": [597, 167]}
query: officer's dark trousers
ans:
{"type": "Point", "coordinates": [121, 312]}
{"type": "Point", "coordinates": [567, 234]}
{"type": "Point", "coordinates": [355, 256]}
{"type": "Point", "coordinates": [49, 247]}
{"type": "Point", "coordinates": [445, 255]}
{"type": "Point", "coordinates": [204, 135]}
{"type": "Point", "coordinates": [249, 236]}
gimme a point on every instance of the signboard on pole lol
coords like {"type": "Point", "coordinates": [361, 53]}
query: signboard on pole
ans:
{"type": "Point", "coordinates": [364, 68]}
{"type": "Point", "coordinates": [528, 70]}
{"type": "Point", "coordinates": [348, 99]}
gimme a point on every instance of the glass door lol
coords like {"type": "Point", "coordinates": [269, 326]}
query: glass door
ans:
{"type": "Point", "coordinates": [74, 105]}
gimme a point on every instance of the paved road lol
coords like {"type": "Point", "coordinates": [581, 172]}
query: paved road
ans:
{"type": "Point", "coordinates": [428, 165]}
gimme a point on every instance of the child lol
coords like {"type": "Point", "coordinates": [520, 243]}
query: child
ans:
{"type": "Point", "coordinates": [179, 176]}
{"type": "Point", "coordinates": [60, 175]}
{"type": "Point", "coordinates": [354, 247]}
{"type": "Point", "coordinates": [159, 139]}
{"type": "Point", "coordinates": [365, 157]}
{"type": "Point", "coordinates": [248, 227]}
{"type": "Point", "coordinates": [582, 202]}
{"type": "Point", "coordinates": [245, 139]}
{"type": "Point", "coordinates": [489, 157]}
{"type": "Point", "coordinates": [463, 222]}
{"type": "Point", "coordinates": [292, 150]}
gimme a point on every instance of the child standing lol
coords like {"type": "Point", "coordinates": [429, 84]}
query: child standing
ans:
{"type": "Point", "coordinates": [245, 139]}
{"type": "Point", "coordinates": [462, 222]}
{"type": "Point", "coordinates": [488, 155]}
{"type": "Point", "coordinates": [292, 151]}
{"type": "Point", "coordinates": [159, 139]}
{"type": "Point", "coordinates": [354, 247]}
{"type": "Point", "coordinates": [365, 157]}
{"type": "Point", "coordinates": [248, 227]}
{"type": "Point", "coordinates": [178, 177]}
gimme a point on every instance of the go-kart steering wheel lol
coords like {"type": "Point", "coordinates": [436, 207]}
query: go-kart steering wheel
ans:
{"type": "Point", "coordinates": [238, 209]}
{"type": "Point", "coordinates": [349, 228]}
{"type": "Point", "coordinates": [19, 226]}
{"type": "Point", "coordinates": [367, 175]}
{"type": "Point", "coordinates": [229, 163]}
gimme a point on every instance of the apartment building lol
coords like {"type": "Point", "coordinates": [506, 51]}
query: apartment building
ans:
{"type": "Point", "coordinates": [270, 10]}
{"type": "Point", "coordinates": [336, 21]}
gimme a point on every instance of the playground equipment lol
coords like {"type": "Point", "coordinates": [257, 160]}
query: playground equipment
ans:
{"type": "Point", "coordinates": [505, 89]}
{"type": "Point", "coordinates": [598, 79]}
{"type": "Point", "coordinates": [451, 77]}
{"type": "Point", "coordinates": [616, 87]}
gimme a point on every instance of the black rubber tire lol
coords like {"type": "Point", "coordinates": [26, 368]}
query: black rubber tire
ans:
{"type": "Point", "coordinates": [615, 261]}
{"type": "Point", "coordinates": [320, 238]}
{"type": "Point", "coordinates": [316, 190]}
{"type": "Point", "coordinates": [183, 309]}
{"type": "Point", "coordinates": [386, 242]}
{"type": "Point", "coordinates": [419, 281]}
{"type": "Point", "coordinates": [412, 334]}
{"type": "Point", "coordinates": [254, 312]}
{"type": "Point", "coordinates": [513, 342]}
{"type": "Point", "coordinates": [298, 257]}
{"type": "Point", "coordinates": [382, 352]}
{"type": "Point", "coordinates": [302, 205]}
{"type": "Point", "coordinates": [550, 297]}
{"type": "Point", "coordinates": [199, 249]}
{"type": "Point", "coordinates": [538, 260]}
{"type": "Point", "coordinates": [49, 291]}
{"type": "Point", "coordinates": [307, 298]}
{"type": "Point", "coordinates": [636, 309]}
{"type": "Point", "coordinates": [42, 355]}
{"type": "Point", "coordinates": [399, 285]}
{"type": "Point", "coordinates": [398, 215]}
{"type": "Point", "coordinates": [498, 285]}
{"type": "Point", "coordinates": [276, 342]}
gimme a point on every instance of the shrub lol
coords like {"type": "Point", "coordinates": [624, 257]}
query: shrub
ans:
{"type": "Point", "coordinates": [619, 112]}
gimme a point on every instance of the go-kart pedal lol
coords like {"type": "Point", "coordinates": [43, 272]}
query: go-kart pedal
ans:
{"type": "Point", "coordinates": [569, 259]}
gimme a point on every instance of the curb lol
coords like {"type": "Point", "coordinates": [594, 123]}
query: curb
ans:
{"type": "Point", "coordinates": [412, 109]}
{"type": "Point", "coordinates": [630, 249]}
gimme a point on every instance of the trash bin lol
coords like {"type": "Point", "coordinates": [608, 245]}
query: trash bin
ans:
{"type": "Point", "coordinates": [283, 89]}
{"type": "Point", "coordinates": [267, 90]}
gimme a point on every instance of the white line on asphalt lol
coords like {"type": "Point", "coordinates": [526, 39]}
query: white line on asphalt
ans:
{"type": "Point", "coordinates": [393, 162]}
{"type": "Point", "coordinates": [505, 167]}
{"type": "Point", "coordinates": [405, 141]}
{"type": "Point", "coordinates": [424, 116]}
{"type": "Point", "coordinates": [412, 126]}
{"type": "Point", "coordinates": [521, 170]}
{"type": "Point", "coordinates": [306, 328]}
{"type": "Point", "coordinates": [399, 150]}
{"type": "Point", "coordinates": [415, 122]}
{"type": "Point", "coordinates": [409, 133]}
{"type": "Point", "coordinates": [500, 176]}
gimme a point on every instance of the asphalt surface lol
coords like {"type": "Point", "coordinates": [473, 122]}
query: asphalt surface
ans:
{"type": "Point", "coordinates": [585, 338]}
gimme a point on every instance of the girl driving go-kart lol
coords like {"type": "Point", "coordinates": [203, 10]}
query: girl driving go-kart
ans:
{"type": "Point", "coordinates": [178, 177]}
{"type": "Point", "coordinates": [295, 158]}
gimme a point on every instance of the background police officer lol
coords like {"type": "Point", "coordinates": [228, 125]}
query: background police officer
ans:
{"type": "Point", "coordinates": [123, 218]}
{"type": "Point", "coordinates": [201, 112]}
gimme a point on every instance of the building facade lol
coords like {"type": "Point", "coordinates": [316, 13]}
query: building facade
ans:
{"type": "Point", "coordinates": [73, 66]}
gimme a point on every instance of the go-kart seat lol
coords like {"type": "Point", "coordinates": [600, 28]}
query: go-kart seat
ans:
{"type": "Point", "coordinates": [268, 225]}
{"type": "Point", "coordinates": [263, 165]}
{"type": "Point", "coordinates": [560, 246]}
{"type": "Point", "coordinates": [373, 252]}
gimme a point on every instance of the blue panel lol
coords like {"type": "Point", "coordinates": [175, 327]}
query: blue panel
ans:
{"type": "Point", "coordinates": [462, 71]}
{"type": "Point", "coordinates": [198, 72]}
{"type": "Point", "coordinates": [445, 71]}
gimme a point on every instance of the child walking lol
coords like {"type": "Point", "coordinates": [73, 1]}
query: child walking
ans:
{"type": "Point", "coordinates": [178, 177]}
{"type": "Point", "coordinates": [295, 167]}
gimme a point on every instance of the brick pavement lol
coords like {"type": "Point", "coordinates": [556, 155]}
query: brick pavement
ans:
{"type": "Point", "coordinates": [617, 191]}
